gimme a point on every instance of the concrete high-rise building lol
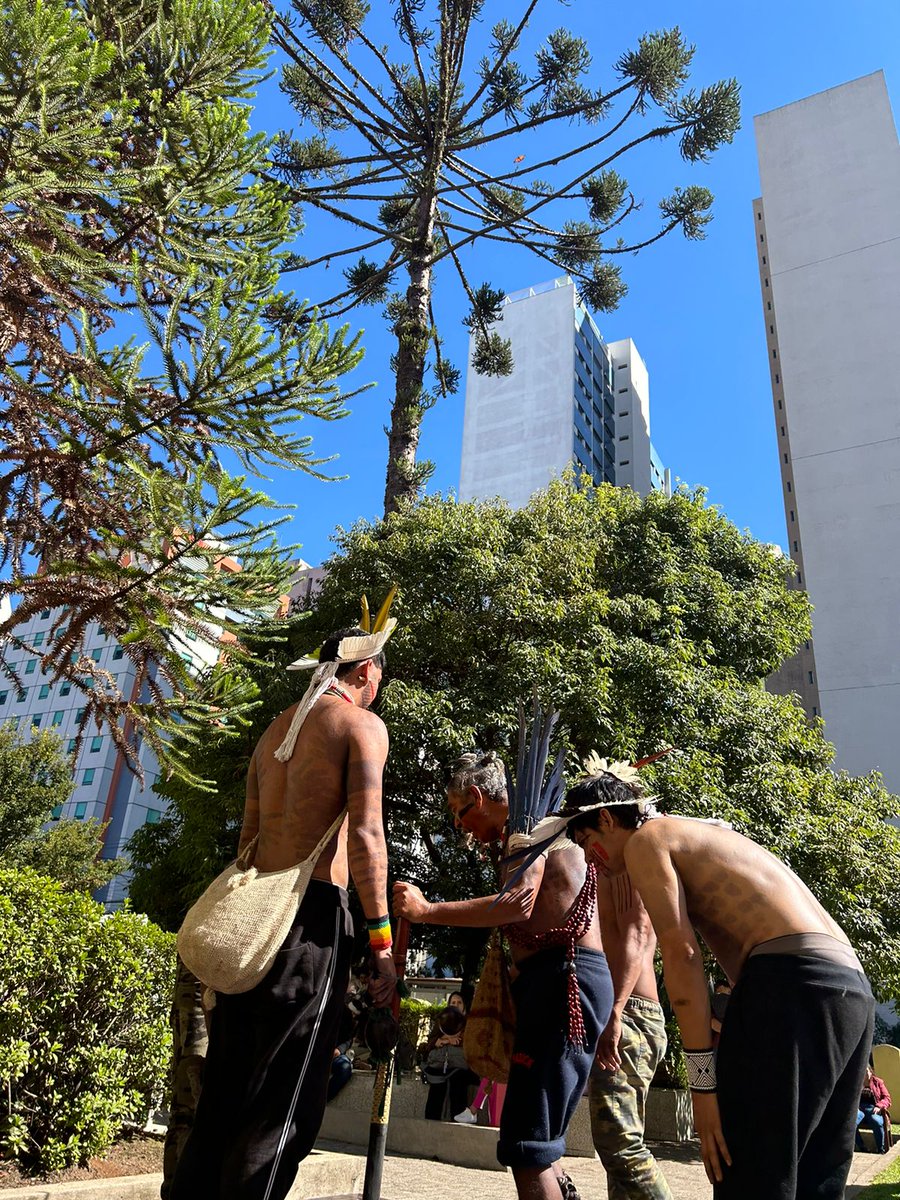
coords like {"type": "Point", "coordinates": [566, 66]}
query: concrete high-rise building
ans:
{"type": "Point", "coordinates": [571, 400]}
{"type": "Point", "coordinates": [827, 233]}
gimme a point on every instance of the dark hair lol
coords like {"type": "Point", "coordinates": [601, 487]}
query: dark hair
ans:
{"type": "Point", "coordinates": [451, 1021]}
{"type": "Point", "coordinates": [330, 649]}
{"type": "Point", "coordinates": [461, 996]}
{"type": "Point", "coordinates": [612, 794]}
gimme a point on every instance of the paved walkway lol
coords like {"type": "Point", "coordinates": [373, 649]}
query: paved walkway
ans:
{"type": "Point", "coordinates": [406, 1177]}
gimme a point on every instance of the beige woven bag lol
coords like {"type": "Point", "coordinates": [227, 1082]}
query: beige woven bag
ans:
{"type": "Point", "coordinates": [231, 935]}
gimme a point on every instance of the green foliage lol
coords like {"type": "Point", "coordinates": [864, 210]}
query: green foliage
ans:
{"type": "Point", "coordinates": [34, 779]}
{"type": "Point", "coordinates": [646, 622]}
{"type": "Point", "coordinates": [133, 190]}
{"type": "Point", "coordinates": [84, 1042]}
{"type": "Point", "coordinates": [409, 145]}
{"type": "Point", "coordinates": [69, 852]}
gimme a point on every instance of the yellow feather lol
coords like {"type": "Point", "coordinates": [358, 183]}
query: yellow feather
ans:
{"type": "Point", "coordinates": [384, 611]}
{"type": "Point", "coordinates": [365, 621]}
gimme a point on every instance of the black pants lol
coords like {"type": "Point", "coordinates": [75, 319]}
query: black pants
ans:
{"type": "Point", "coordinates": [457, 1083]}
{"type": "Point", "coordinates": [269, 1062]}
{"type": "Point", "coordinates": [791, 1059]}
{"type": "Point", "coordinates": [548, 1076]}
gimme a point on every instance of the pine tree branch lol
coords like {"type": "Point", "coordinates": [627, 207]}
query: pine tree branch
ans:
{"type": "Point", "coordinates": [409, 26]}
{"type": "Point", "coordinates": [315, 262]}
{"type": "Point", "coordinates": [562, 114]}
{"type": "Point", "coordinates": [501, 59]}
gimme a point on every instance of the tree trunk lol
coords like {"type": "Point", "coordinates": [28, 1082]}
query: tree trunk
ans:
{"type": "Point", "coordinates": [403, 480]}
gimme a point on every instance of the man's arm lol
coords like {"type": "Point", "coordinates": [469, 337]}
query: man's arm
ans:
{"type": "Point", "coordinates": [484, 912]}
{"type": "Point", "coordinates": [366, 846]}
{"type": "Point", "coordinates": [627, 936]}
{"type": "Point", "coordinates": [652, 871]}
{"type": "Point", "coordinates": [250, 828]}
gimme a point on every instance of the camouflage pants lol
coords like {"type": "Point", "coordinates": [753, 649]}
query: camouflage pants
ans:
{"type": "Point", "coordinates": [189, 1042]}
{"type": "Point", "coordinates": [617, 1106]}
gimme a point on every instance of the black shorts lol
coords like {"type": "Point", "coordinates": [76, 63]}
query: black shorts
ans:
{"type": "Point", "coordinates": [548, 1076]}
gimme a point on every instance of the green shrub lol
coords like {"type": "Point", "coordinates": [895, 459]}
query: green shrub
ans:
{"type": "Point", "coordinates": [84, 1004]}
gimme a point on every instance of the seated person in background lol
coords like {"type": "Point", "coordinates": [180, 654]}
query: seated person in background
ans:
{"type": "Point", "coordinates": [342, 1062]}
{"type": "Point", "coordinates": [445, 1066]}
{"type": "Point", "coordinates": [874, 1103]}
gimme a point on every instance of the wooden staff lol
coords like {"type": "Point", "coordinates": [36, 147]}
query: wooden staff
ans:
{"type": "Point", "coordinates": [384, 1081]}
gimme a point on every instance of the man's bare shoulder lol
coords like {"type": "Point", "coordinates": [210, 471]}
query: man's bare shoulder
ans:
{"type": "Point", "coordinates": [649, 842]}
{"type": "Point", "coordinates": [364, 725]}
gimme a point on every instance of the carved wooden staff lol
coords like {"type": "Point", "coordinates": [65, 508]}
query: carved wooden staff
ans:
{"type": "Point", "coordinates": [384, 1082]}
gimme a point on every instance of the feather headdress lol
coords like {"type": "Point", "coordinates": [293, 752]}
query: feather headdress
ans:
{"type": "Point", "coordinates": [354, 648]}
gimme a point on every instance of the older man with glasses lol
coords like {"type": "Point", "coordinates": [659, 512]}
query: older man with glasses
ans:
{"type": "Point", "coordinates": [563, 990]}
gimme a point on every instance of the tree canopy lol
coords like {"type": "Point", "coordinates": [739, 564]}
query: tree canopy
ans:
{"type": "Point", "coordinates": [647, 623]}
{"type": "Point", "coordinates": [35, 782]}
{"type": "Point", "coordinates": [145, 346]}
{"type": "Point", "coordinates": [425, 151]}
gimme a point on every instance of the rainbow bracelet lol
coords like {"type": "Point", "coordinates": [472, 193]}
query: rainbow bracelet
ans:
{"type": "Point", "coordinates": [380, 933]}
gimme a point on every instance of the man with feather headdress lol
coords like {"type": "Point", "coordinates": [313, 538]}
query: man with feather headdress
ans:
{"type": "Point", "coordinates": [562, 988]}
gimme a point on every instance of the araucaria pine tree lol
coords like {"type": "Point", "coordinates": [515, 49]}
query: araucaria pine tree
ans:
{"type": "Point", "coordinates": [425, 154]}
{"type": "Point", "coordinates": [142, 339]}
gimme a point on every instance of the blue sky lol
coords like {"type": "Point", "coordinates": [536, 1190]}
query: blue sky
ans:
{"type": "Point", "coordinates": [693, 309]}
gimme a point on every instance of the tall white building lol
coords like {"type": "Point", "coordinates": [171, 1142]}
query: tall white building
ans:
{"type": "Point", "coordinates": [572, 399]}
{"type": "Point", "coordinates": [828, 239]}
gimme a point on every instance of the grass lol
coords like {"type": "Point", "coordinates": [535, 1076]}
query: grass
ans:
{"type": "Point", "coordinates": [887, 1185]}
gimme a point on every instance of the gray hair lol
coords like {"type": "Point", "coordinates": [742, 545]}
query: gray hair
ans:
{"type": "Point", "coordinates": [485, 771]}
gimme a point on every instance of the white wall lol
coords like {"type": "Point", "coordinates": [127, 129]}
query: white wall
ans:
{"type": "Point", "coordinates": [632, 397]}
{"type": "Point", "coordinates": [830, 173]}
{"type": "Point", "coordinates": [517, 431]}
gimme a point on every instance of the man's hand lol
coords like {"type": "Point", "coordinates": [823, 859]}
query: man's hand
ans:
{"type": "Point", "coordinates": [708, 1125]}
{"type": "Point", "coordinates": [409, 902]}
{"type": "Point", "coordinates": [383, 979]}
{"type": "Point", "coordinates": [608, 1057]}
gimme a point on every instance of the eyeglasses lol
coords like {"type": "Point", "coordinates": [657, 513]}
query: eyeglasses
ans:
{"type": "Point", "coordinates": [458, 816]}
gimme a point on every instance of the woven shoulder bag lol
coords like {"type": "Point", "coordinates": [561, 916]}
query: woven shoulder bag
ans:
{"type": "Point", "coordinates": [232, 933]}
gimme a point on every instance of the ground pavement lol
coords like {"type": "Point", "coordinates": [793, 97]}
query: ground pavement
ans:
{"type": "Point", "coordinates": [414, 1177]}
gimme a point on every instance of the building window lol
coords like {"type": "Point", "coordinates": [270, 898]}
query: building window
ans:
{"type": "Point", "coordinates": [771, 329]}
{"type": "Point", "coordinates": [45, 614]}
{"type": "Point", "coordinates": [96, 744]}
{"type": "Point", "coordinates": [789, 485]}
{"type": "Point", "coordinates": [88, 775]}
{"type": "Point", "coordinates": [779, 406]}
{"type": "Point", "coordinates": [4, 696]}
{"type": "Point", "coordinates": [38, 639]}
{"type": "Point", "coordinates": [810, 676]}
{"type": "Point", "coordinates": [153, 815]}
{"type": "Point", "coordinates": [777, 378]}
{"type": "Point", "coordinates": [79, 713]}
{"type": "Point", "coordinates": [621, 390]}
{"type": "Point", "coordinates": [12, 722]}
{"type": "Point", "coordinates": [799, 580]}
{"type": "Point", "coordinates": [81, 808]}
{"type": "Point", "coordinates": [117, 653]}
{"type": "Point", "coordinates": [56, 812]}
{"type": "Point", "coordinates": [769, 305]}
{"type": "Point", "coordinates": [58, 717]}
{"type": "Point", "coordinates": [782, 431]}
{"type": "Point", "coordinates": [624, 437]}
{"type": "Point", "coordinates": [792, 514]}
{"type": "Point", "coordinates": [36, 720]}
{"type": "Point", "coordinates": [44, 691]}
{"type": "Point", "coordinates": [766, 282]}
{"type": "Point", "coordinates": [774, 352]}
{"type": "Point", "coordinates": [759, 216]}
{"type": "Point", "coordinates": [65, 688]}
{"type": "Point", "coordinates": [624, 414]}
{"type": "Point", "coordinates": [785, 458]}
{"type": "Point", "coordinates": [31, 666]}
{"type": "Point", "coordinates": [796, 548]}
{"type": "Point", "coordinates": [73, 742]}
{"type": "Point", "coordinates": [95, 655]}
{"type": "Point", "coordinates": [20, 695]}
{"type": "Point", "coordinates": [815, 711]}
{"type": "Point", "coordinates": [192, 637]}
{"type": "Point", "coordinates": [761, 238]}
{"type": "Point", "coordinates": [764, 260]}
{"type": "Point", "coordinates": [625, 462]}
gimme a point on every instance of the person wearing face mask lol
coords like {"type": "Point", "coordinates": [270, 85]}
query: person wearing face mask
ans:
{"type": "Point", "coordinates": [775, 1106]}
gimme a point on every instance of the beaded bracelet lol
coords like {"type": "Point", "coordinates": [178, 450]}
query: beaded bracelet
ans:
{"type": "Point", "coordinates": [380, 933]}
{"type": "Point", "coordinates": [701, 1070]}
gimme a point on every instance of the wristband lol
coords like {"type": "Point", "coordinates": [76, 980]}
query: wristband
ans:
{"type": "Point", "coordinates": [701, 1070]}
{"type": "Point", "coordinates": [380, 933]}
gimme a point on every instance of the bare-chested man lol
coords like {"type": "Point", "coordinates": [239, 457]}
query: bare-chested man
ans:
{"type": "Point", "coordinates": [550, 1066]}
{"type": "Point", "coordinates": [271, 1048]}
{"type": "Point", "coordinates": [780, 1120]}
{"type": "Point", "coordinates": [631, 1046]}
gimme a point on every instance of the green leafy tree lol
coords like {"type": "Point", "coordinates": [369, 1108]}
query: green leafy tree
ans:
{"type": "Point", "coordinates": [84, 1036]}
{"type": "Point", "coordinates": [144, 344]}
{"type": "Point", "coordinates": [647, 622]}
{"type": "Point", "coordinates": [35, 781]}
{"type": "Point", "coordinates": [426, 153]}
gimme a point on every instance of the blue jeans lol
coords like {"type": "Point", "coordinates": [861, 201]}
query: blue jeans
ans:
{"type": "Point", "coordinates": [868, 1118]}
